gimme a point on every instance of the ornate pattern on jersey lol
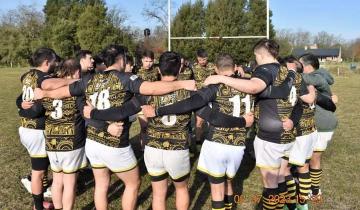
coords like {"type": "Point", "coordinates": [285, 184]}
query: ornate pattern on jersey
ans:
{"type": "Point", "coordinates": [187, 74]}
{"type": "Point", "coordinates": [30, 82]}
{"type": "Point", "coordinates": [150, 75]}
{"type": "Point", "coordinates": [232, 102]}
{"type": "Point", "coordinates": [307, 121]}
{"type": "Point", "coordinates": [285, 106]}
{"type": "Point", "coordinates": [169, 132]}
{"type": "Point", "coordinates": [201, 73]}
{"type": "Point", "coordinates": [60, 128]}
{"type": "Point", "coordinates": [105, 90]}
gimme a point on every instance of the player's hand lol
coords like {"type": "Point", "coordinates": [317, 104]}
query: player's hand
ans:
{"type": "Point", "coordinates": [335, 98]}
{"type": "Point", "coordinates": [115, 129]}
{"type": "Point", "coordinates": [240, 70]}
{"type": "Point", "coordinates": [38, 94]}
{"type": "Point", "coordinates": [291, 66]}
{"type": "Point", "coordinates": [288, 124]}
{"type": "Point", "coordinates": [249, 119]}
{"type": "Point", "coordinates": [26, 104]}
{"type": "Point", "coordinates": [87, 110]}
{"type": "Point", "coordinates": [213, 79]}
{"type": "Point", "coordinates": [311, 88]}
{"type": "Point", "coordinates": [148, 111]}
{"type": "Point", "coordinates": [188, 85]}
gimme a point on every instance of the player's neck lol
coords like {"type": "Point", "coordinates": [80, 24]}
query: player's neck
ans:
{"type": "Point", "coordinates": [42, 69]}
{"type": "Point", "coordinates": [168, 78]}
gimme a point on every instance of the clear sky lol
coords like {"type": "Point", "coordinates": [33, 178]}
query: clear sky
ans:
{"type": "Point", "coordinates": [340, 17]}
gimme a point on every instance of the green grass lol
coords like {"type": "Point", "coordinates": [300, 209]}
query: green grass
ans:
{"type": "Point", "coordinates": [340, 182]}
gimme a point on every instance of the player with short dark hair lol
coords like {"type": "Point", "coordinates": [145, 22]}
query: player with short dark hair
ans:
{"type": "Point", "coordinates": [104, 90]}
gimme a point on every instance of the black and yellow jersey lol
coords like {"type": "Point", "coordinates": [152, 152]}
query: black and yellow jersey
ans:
{"type": "Point", "coordinates": [64, 125]}
{"type": "Point", "coordinates": [104, 90]}
{"type": "Point", "coordinates": [150, 75]}
{"type": "Point", "coordinates": [201, 73]}
{"type": "Point", "coordinates": [169, 132]}
{"type": "Point", "coordinates": [186, 74]}
{"type": "Point", "coordinates": [229, 101]}
{"type": "Point", "coordinates": [31, 80]}
{"type": "Point", "coordinates": [224, 100]}
{"type": "Point", "coordinates": [269, 113]}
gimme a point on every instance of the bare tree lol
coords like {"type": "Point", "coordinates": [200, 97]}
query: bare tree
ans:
{"type": "Point", "coordinates": [157, 11]}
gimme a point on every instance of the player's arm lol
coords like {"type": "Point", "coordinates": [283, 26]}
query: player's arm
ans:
{"type": "Point", "coordinates": [163, 87]}
{"type": "Point", "coordinates": [260, 79]}
{"type": "Point", "coordinates": [118, 113]}
{"type": "Point", "coordinates": [296, 113]}
{"type": "Point", "coordinates": [196, 101]}
{"type": "Point", "coordinates": [219, 119]}
{"type": "Point", "coordinates": [307, 93]}
{"type": "Point", "coordinates": [281, 91]}
{"type": "Point", "coordinates": [325, 102]}
{"type": "Point", "coordinates": [55, 83]}
{"type": "Point", "coordinates": [75, 89]}
{"type": "Point", "coordinates": [29, 109]}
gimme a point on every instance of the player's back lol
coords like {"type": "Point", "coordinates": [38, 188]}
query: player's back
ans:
{"type": "Point", "coordinates": [169, 132]}
{"type": "Point", "coordinates": [232, 102]}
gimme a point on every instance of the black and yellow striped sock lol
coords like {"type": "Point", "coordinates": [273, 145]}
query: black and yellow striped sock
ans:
{"type": "Point", "coordinates": [304, 187]}
{"type": "Point", "coordinates": [315, 175]}
{"type": "Point", "coordinates": [282, 191]}
{"type": "Point", "coordinates": [291, 192]}
{"type": "Point", "coordinates": [269, 199]}
{"type": "Point", "coordinates": [45, 181]}
{"type": "Point", "coordinates": [217, 205]}
{"type": "Point", "coordinates": [229, 200]}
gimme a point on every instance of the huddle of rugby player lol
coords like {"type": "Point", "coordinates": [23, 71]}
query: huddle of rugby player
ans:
{"type": "Point", "coordinates": [74, 112]}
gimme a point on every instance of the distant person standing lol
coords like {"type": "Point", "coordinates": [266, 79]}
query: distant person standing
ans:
{"type": "Point", "coordinates": [202, 69]}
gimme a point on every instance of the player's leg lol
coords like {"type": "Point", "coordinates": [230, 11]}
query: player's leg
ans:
{"type": "Point", "coordinates": [132, 183]}
{"type": "Point", "coordinates": [177, 164]}
{"type": "Point", "coordinates": [229, 195]}
{"type": "Point", "coordinates": [268, 159]}
{"type": "Point", "coordinates": [57, 189]}
{"type": "Point", "coordinates": [102, 181]}
{"type": "Point", "coordinates": [159, 189]}
{"type": "Point", "coordinates": [69, 192]}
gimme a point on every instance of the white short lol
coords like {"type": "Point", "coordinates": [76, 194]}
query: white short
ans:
{"type": "Point", "coordinates": [68, 161]}
{"type": "Point", "coordinates": [159, 163]}
{"type": "Point", "coordinates": [220, 161]}
{"type": "Point", "coordinates": [268, 154]}
{"type": "Point", "coordinates": [323, 138]}
{"type": "Point", "coordinates": [302, 149]}
{"type": "Point", "coordinates": [34, 141]}
{"type": "Point", "coordinates": [116, 159]}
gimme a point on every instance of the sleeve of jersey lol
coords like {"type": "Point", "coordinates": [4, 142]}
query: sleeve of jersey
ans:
{"type": "Point", "coordinates": [281, 91]}
{"type": "Point", "coordinates": [77, 88]}
{"type": "Point", "coordinates": [264, 75]}
{"type": "Point", "coordinates": [219, 119]}
{"type": "Point", "coordinates": [132, 82]}
{"type": "Point", "coordinates": [297, 113]}
{"type": "Point", "coordinates": [196, 101]}
{"type": "Point", "coordinates": [36, 110]}
{"type": "Point", "coordinates": [19, 101]}
{"type": "Point", "coordinates": [120, 113]}
{"type": "Point", "coordinates": [325, 102]}
{"type": "Point", "coordinates": [303, 88]}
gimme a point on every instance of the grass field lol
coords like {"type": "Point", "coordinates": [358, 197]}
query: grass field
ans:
{"type": "Point", "coordinates": [341, 182]}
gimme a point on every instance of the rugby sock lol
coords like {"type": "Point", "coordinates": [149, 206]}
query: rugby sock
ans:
{"type": "Point", "coordinates": [304, 187]}
{"type": "Point", "coordinates": [45, 181]}
{"type": "Point", "coordinates": [229, 200]}
{"type": "Point", "coordinates": [38, 201]}
{"type": "Point", "coordinates": [282, 190]}
{"type": "Point", "coordinates": [217, 205]}
{"type": "Point", "coordinates": [291, 192]}
{"type": "Point", "coordinates": [268, 198]}
{"type": "Point", "coordinates": [315, 175]}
